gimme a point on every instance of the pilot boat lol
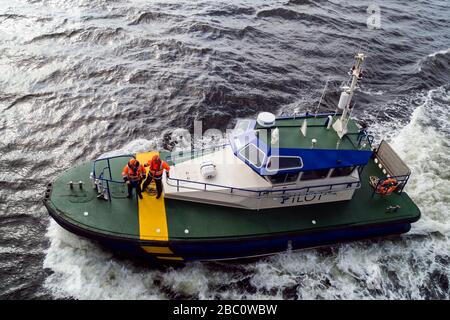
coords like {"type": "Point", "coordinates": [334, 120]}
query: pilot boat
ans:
{"type": "Point", "coordinates": [278, 184]}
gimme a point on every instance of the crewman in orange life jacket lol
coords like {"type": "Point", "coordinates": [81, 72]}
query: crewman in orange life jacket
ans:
{"type": "Point", "coordinates": [156, 170]}
{"type": "Point", "coordinates": [133, 174]}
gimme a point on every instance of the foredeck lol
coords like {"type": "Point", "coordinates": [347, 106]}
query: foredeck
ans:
{"type": "Point", "coordinates": [120, 217]}
{"type": "Point", "coordinates": [82, 208]}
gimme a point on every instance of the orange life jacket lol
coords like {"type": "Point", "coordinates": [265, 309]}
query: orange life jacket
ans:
{"type": "Point", "coordinates": [133, 173]}
{"type": "Point", "coordinates": [157, 168]}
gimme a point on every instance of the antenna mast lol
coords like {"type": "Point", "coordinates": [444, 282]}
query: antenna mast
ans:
{"type": "Point", "coordinates": [340, 126]}
{"type": "Point", "coordinates": [321, 98]}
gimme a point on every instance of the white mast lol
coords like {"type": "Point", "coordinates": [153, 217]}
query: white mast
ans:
{"type": "Point", "coordinates": [340, 126]}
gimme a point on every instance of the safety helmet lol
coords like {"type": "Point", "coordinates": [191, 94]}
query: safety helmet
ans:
{"type": "Point", "coordinates": [133, 163]}
{"type": "Point", "coordinates": [156, 158]}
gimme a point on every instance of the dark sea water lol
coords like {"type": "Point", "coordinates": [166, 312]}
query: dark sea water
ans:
{"type": "Point", "coordinates": [80, 78]}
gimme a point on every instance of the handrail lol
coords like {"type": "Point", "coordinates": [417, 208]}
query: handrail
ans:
{"type": "Point", "coordinates": [309, 115]}
{"type": "Point", "coordinates": [402, 179]}
{"type": "Point", "coordinates": [107, 159]}
{"type": "Point", "coordinates": [259, 192]}
{"type": "Point", "coordinates": [391, 164]}
{"type": "Point", "coordinates": [108, 167]}
{"type": "Point", "coordinates": [362, 135]}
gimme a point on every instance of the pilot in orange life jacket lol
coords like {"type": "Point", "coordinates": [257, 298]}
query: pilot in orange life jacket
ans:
{"type": "Point", "coordinates": [133, 174]}
{"type": "Point", "coordinates": [156, 170]}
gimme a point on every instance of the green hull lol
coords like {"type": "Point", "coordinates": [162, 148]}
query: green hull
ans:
{"type": "Point", "coordinates": [204, 231]}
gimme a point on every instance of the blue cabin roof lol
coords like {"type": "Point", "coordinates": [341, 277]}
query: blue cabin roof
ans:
{"type": "Point", "coordinates": [294, 152]}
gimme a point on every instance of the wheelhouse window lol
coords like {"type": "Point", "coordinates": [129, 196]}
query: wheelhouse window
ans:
{"type": "Point", "coordinates": [314, 174]}
{"type": "Point", "coordinates": [283, 178]}
{"type": "Point", "coordinates": [276, 163]}
{"type": "Point", "coordinates": [342, 172]}
{"type": "Point", "coordinates": [241, 126]}
{"type": "Point", "coordinates": [253, 154]}
{"type": "Point", "coordinates": [240, 141]}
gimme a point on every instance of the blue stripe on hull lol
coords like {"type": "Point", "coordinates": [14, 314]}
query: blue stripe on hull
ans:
{"type": "Point", "coordinates": [236, 249]}
{"type": "Point", "coordinates": [246, 248]}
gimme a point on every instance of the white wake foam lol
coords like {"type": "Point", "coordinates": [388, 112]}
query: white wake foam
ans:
{"type": "Point", "coordinates": [82, 270]}
{"type": "Point", "coordinates": [424, 144]}
{"type": "Point", "coordinates": [441, 52]}
{"type": "Point", "coordinates": [135, 146]}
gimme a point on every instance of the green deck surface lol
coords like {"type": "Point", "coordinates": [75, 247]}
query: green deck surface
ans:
{"type": "Point", "coordinates": [291, 137]}
{"type": "Point", "coordinates": [120, 217]}
{"type": "Point", "coordinates": [206, 221]}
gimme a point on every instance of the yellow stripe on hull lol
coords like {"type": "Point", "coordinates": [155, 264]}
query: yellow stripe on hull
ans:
{"type": "Point", "coordinates": [152, 211]}
{"type": "Point", "coordinates": [158, 250]}
{"type": "Point", "coordinates": [170, 258]}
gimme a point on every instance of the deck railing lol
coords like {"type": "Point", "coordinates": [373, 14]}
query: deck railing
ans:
{"type": "Point", "coordinates": [100, 178]}
{"type": "Point", "coordinates": [257, 193]}
{"type": "Point", "coordinates": [401, 180]}
{"type": "Point", "coordinates": [392, 165]}
{"type": "Point", "coordinates": [363, 139]}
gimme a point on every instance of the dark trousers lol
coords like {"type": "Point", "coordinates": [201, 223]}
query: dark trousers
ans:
{"type": "Point", "coordinates": [134, 184]}
{"type": "Point", "coordinates": [158, 183]}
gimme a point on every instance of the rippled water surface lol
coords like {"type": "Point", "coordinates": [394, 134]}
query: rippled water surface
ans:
{"type": "Point", "coordinates": [79, 78]}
